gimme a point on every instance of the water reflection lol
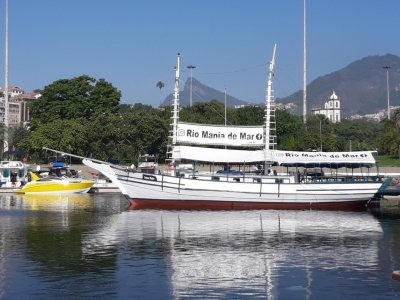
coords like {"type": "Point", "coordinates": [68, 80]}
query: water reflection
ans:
{"type": "Point", "coordinates": [246, 253]}
{"type": "Point", "coordinates": [92, 246]}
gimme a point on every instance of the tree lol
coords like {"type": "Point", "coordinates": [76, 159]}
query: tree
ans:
{"type": "Point", "coordinates": [160, 85]}
{"type": "Point", "coordinates": [16, 134]}
{"type": "Point", "coordinates": [126, 108]}
{"type": "Point", "coordinates": [64, 135]}
{"type": "Point", "coordinates": [388, 139]}
{"type": "Point", "coordinates": [79, 97]}
{"type": "Point", "coordinates": [288, 129]}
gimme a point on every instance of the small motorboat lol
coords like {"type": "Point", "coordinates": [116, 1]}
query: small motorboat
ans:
{"type": "Point", "coordinates": [55, 185]}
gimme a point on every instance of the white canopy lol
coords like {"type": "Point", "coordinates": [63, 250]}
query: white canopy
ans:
{"type": "Point", "coordinates": [217, 155]}
{"type": "Point", "coordinates": [278, 156]}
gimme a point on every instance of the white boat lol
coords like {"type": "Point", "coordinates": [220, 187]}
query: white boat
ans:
{"type": "Point", "coordinates": [102, 184]}
{"type": "Point", "coordinates": [310, 189]}
{"type": "Point", "coordinates": [13, 174]}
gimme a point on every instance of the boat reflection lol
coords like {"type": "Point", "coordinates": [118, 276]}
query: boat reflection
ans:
{"type": "Point", "coordinates": [245, 251]}
{"type": "Point", "coordinates": [57, 202]}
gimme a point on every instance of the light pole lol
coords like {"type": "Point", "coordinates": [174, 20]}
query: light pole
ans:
{"type": "Point", "coordinates": [6, 105]}
{"type": "Point", "coordinates": [191, 67]}
{"type": "Point", "coordinates": [387, 88]}
{"type": "Point", "coordinates": [320, 133]}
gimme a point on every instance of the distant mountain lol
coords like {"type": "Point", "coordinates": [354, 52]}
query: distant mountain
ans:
{"type": "Point", "coordinates": [202, 93]}
{"type": "Point", "coordinates": [361, 87]}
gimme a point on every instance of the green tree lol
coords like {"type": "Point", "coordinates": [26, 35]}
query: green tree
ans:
{"type": "Point", "coordinates": [288, 128]}
{"type": "Point", "coordinates": [16, 134]}
{"type": "Point", "coordinates": [78, 97]}
{"type": "Point", "coordinates": [361, 134]}
{"type": "Point", "coordinates": [64, 135]}
{"type": "Point", "coordinates": [125, 108]}
{"type": "Point", "coordinates": [388, 139]}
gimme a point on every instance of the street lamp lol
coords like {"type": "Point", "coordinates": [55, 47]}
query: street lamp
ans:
{"type": "Point", "coordinates": [191, 67]}
{"type": "Point", "coordinates": [387, 87]}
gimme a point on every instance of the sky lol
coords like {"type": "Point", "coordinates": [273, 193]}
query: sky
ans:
{"type": "Point", "coordinates": [134, 44]}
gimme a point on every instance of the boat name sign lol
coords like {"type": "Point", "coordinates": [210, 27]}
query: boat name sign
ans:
{"type": "Point", "coordinates": [334, 157]}
{"type": "Point", "coordinates": [220, 135]}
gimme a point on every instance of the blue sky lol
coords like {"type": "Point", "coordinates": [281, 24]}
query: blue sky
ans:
{"type": "Point", "coordinates": [133, 44]}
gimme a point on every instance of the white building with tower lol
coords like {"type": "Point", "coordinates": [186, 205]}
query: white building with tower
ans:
{"type": "Point", "coordinates": [331, 109]}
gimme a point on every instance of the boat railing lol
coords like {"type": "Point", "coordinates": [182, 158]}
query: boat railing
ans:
{"type": "Point", "coordinates": [346, 178]}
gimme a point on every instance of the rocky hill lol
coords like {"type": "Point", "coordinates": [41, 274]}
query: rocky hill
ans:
{"type": "Point", "coordinates": [202, 93]}
{"type": "Point", "coordinates": [361, 87]}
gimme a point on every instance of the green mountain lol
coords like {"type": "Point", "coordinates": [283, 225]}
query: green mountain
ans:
{"type": "Point", "coordinates": [202, 93]}
{"type": "Point", "coordinates": [361, 86]}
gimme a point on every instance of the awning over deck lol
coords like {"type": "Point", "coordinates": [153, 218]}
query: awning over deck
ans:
{"type": "Point", "coordinates": [285, 158]}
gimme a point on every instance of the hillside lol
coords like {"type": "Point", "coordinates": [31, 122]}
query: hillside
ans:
{"type": "Point", "coordinates": [361, 87]}
{"type": "Point", "coordinates": [202, 93]}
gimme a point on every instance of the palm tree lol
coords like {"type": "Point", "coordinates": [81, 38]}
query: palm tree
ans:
{"type": "Point", "coordinates": [16, 134]}
{"type": "Point", "coordinates": [160, 85]}
{"type": "Point", "coordinates": [3, 136]}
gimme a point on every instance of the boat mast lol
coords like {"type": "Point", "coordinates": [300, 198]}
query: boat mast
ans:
{"type": "Point", "coordinates": [175, 117]}
{"type": "Point", "coordinates": [270, 122]}
{"type": "Point", "coordinates": [304, 69]}
{"type": "Point", "coordinates": [225, 111]}
{"type": "Point", "coordinates": [5, 148]}
{"type": "Point", "coordinates": [175, 113]}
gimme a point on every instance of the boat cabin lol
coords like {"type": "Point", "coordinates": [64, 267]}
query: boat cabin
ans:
{"type": "Point", "coordinates": [148, 164]}
{"type": "Point", "coordinates": [57, 171]}
{"type": "Point", "coordinates": [13, 173]}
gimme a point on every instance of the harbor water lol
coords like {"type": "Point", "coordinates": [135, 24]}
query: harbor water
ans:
{"type": "Point", "coordinates": [95, 247]}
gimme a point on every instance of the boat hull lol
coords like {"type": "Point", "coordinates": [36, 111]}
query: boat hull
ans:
{"type": "Point", "coordinates": [245, 192]}
{"type": "Point", "coordinates": [165, 192]}
{"type": "Point", "coordinates": [136, 204]}
{"type": "Point", "coordinates": [56, 187]}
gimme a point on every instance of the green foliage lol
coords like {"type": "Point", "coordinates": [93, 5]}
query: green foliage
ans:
{"type": "Point", "coordinates": [79, 97]}
{"type": "Point", "coordinates": [63, 135]}
{"type": "Point", "coordinates": [82, 116]}
{"type": "Point", "coordinates": [389, 161]}
{"type": "Point", "coordinates": [360, 134]}
{"type": "Point", "coordinates": [16, 134]}
{"type": "Point", "coordinates": [122, 136]}
{"type": "Point", "coordinates": [125, 108]}
{"type": "Point", "coordinates": [212, 112]}
{"type": "Point", "coordinates": [287, 130]}
{"type": "Point", "coordinates": [388, 140]}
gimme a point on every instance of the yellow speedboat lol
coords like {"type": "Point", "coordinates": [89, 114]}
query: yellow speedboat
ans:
{"type": "Point", "coordinates": [55, 185]}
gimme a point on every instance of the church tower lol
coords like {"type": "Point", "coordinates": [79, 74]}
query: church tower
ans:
{"type": "Point", "coordinates": [331, 109]}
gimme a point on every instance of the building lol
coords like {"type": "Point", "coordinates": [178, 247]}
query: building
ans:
{"type": "Point", "coordinates": [12, 91]}
{"type": "Point", "coordinates": [23, 100]}
{"type": "Point", "coordinates": [331, 109]}
{"type": "Point", "coordinates": [18, 100]}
